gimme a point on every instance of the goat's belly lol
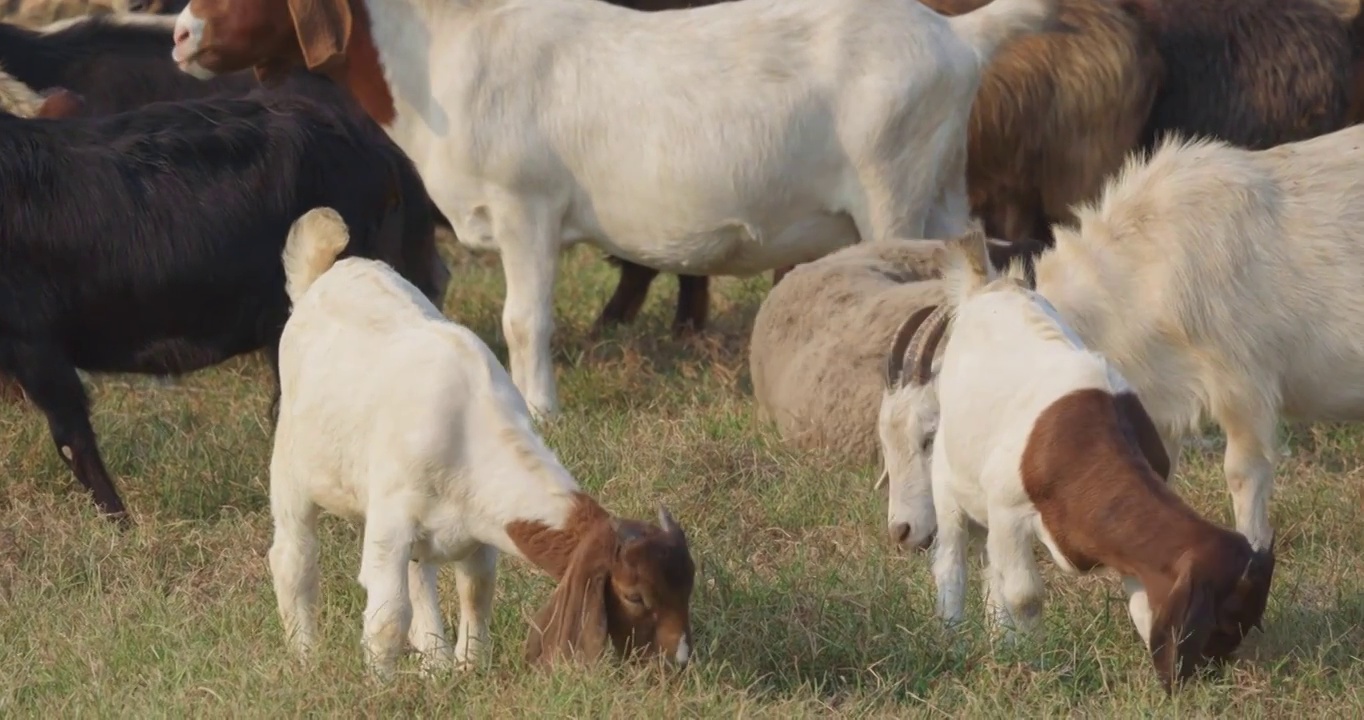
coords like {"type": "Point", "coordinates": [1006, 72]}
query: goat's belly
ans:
{"type": "Point", "coordinates": [737, 247]}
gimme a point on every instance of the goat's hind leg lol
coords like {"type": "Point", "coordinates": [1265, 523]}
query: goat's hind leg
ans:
{"type": "Point", "coordinates": [49, 378]}
{"type": "Point", "coordinates": [293, 563]}
{"type": "Point", "coordinates": [384, 575]}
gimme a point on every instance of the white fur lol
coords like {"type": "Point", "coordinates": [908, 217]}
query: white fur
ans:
{"type": "Point", "coordinates": [393, 415]}
{"type": "Point", "coordinates": [720, 140]}
{"type": "Point", "coordinates": [1008, 358]}
{"type": "Point", "coordinates": [1226, 283]}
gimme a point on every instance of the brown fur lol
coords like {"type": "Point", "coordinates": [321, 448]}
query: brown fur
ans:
{"type": "Point", "coordinates": [818, 349]}
{"type": "Point", "coordinates": [1056, 113]}
{"type": "Point", "coordinates": [1092, 469]}
{"type": "Point", "coordinates": [624, 581]}
{"type": "Point", "coordinates": [60, 103]}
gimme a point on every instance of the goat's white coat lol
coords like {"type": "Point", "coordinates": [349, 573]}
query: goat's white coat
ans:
{"type": "Point", "coordinates": [982, 406]}
{"type": "Point", "coordinates": [1227, 283]}
{"type": "Point", "coordinates": [395, 416]}
{"type": "Point", "coordinates": [727, 139]}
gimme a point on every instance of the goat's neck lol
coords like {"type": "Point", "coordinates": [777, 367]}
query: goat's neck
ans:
{"type": "Point", "coordinates": [550, 545]}
{"type": "Point", "coordinates": [389, 71]}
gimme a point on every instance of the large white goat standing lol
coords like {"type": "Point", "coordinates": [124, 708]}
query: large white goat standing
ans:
{"type": "Point", "coordinates": [729, 139]}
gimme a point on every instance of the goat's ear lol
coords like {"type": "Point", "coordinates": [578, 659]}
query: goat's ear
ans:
{"type": "Point", "coordinates": [895, 360]}
{"type": "Point", "coordinates": [572, 623]}
{"type": "Point", "coordinates": [323, 28]}
{"type": "Point", "coordinates": [1181, 629]}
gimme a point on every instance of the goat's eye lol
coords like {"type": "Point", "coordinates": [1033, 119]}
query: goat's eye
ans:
{"type": "Point", "coordinates": [634, 599]}
{"type": "Point", "coordinates": [927, 443]}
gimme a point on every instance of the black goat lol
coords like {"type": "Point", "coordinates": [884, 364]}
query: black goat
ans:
{"type": "Point", "coordinates": [149, 241]}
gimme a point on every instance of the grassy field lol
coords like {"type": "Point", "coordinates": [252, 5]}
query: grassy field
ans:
{"type": "Point", "coordinates": [801, 609]}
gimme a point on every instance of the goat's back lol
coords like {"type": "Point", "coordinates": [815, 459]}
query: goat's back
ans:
{"type": "Point", "coordinates": [150, 241]}
{"type": "Point", "coordinates": [1212, 271]}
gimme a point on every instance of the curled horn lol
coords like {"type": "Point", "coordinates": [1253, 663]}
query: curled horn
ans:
{"type": "Point", "coordinates": [925, 345]}
{"type": "Point", "coordinates": [895, 361]}
{"type": "Point", "coordinates": [665, 521]}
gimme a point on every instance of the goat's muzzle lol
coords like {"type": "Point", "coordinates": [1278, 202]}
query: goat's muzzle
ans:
{"type": "Point", "coordinates": [899, 537]}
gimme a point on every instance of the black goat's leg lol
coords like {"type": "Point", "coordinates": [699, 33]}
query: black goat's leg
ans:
{"type": "Point", "coordinates": [631, 291]}
{"type": "Point", "coordinates": [693, 304]}
{"type": "Point", "coordinates": [49, 378]}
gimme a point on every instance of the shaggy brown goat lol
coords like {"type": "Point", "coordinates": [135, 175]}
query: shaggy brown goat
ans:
{"type": "Point", "coordinates": [1056, 114]}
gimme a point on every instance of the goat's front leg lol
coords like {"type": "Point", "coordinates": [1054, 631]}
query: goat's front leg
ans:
{"type": "Point", "coordinates": [1139, 607]}
{"type": "Point", "coordinates": [475, 579]}
{"type": "Point", "coordinates": [949, 559]}
{"type": "Point", "coordinates": [384, 573]}
{"type": "Point", "coordinates": [529, 240]}
{"type": "Point", "coordinates": [1015, 599]}
{"type": "Point", "coordinates": [49, 379]}
{"type": "Point", "coordinates": [293, 560]}
{"type": "Point", "coordinates": [427, 632]}
{"type": "Point", "coordinates": [1249, 467]}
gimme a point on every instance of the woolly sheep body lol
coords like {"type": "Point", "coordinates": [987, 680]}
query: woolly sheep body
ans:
{"type": "Point", "coordinates": [819, 341]}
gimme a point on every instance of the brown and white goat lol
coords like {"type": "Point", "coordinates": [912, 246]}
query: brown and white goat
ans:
{"type": "Point", "coordinates": [1033, 436]}
{"type": "Point", "coordinates": [392, 414]}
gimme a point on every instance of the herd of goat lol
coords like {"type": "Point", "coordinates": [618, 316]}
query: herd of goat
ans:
{"type": "Point", "coordinates": [1145, 214]}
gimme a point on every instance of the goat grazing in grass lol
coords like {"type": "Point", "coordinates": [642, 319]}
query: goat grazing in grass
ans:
{"type": "Point", "coordinates": [392, 414]}
{"type": "Point", "coordinates": [1033, 436]}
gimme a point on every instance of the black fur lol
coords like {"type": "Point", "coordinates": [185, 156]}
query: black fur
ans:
{"type": "Point", "coordinates": [1255, 73]}
{"type": "Point", "coordinates": [150, 241]}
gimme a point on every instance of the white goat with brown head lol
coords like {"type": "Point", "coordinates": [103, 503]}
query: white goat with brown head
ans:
{"type": "Point", "coordinates": [391, 414]}
{"type": "Point", "coordinates": [1033, 436]}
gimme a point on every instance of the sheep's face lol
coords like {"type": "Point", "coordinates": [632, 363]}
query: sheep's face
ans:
{"type": "Point", "coordinates": [907, 426]}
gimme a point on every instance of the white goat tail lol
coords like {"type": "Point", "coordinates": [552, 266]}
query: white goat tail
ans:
{"type": "Point", "coordinates": [315, 239]}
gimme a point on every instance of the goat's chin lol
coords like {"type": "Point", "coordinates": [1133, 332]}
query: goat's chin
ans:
{"type": "Point", "coordinates": [195, 70]}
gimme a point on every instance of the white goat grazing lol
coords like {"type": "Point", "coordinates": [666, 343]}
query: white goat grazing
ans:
{"type": "Point", "coordinates": [1226, 282]}
{"type": "Point", "coordinates": [1039, 438]}
{"type": "Point", "coordinates": [720, 140]}
{"type": "Point", "coordinates": [392, 414]}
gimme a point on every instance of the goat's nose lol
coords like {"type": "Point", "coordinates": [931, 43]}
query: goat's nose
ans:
{"type": "Point", "coordinates": [181, 33]}
{"type": "Point", "coordinates": [899, 534]}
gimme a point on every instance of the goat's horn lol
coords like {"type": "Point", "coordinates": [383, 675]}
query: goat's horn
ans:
{"type": "Point", "coordinates": [925, 345]}
{"type": "Point", "coordinates": [665, 520]}
{"type": "Point", "coordinates": [883, 479]}
{"type": "Point", "coordinates": [895, 360]}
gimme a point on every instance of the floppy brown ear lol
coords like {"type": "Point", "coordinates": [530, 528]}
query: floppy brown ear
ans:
{"type": "Point", "coordinates": [323, 28]}
{"type": "Point", "coordinates": [1181, 629]}
{"type": "Point", "coordinates": [572, 623]}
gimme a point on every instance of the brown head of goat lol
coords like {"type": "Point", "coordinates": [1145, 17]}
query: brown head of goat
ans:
{"type": "Point", "coordinates": [627, 584]}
